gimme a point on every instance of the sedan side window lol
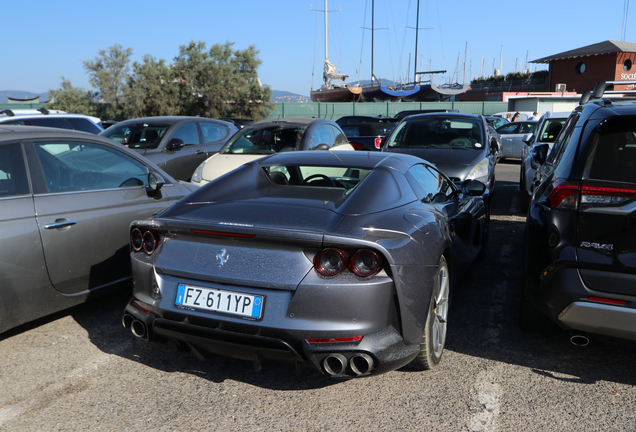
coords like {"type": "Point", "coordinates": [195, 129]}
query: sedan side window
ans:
{"type": "Point", "coordinates": [13, 177]}
{"type": "Point", "coordinates": [79, 166]}
{"type": "Point", "coordinates": [322, 135]}
{"type": "Point", "coordinates": [188, 133]}
{"type": "Point", "coordinates": [212, 131]}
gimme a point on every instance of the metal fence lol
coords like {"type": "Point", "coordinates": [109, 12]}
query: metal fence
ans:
{"type": "Point", "coordinates": [334, 111]}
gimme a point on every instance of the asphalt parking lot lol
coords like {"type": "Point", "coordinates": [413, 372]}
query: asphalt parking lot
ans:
{"type": "Point", "coordinates": [81, 370]}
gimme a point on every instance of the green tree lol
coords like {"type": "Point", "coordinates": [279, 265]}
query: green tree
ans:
{"type": "Point", "coordinates": [108, 73]}
{"type": "Point", "coordinates": [73, 99]}
{"type": "Point", "coordinates": [151, 90]}
{"type": "Point", "coordinates": [220, 82]}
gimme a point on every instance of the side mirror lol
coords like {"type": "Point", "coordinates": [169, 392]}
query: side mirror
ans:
{"type": "Point", "coordinates": [473, 187]}
{"type": "Point", "coordinates": [540, 153]}
{"type": "Point", "coordinates": [155, 183]}
{"type": "Point", "coordinates": [175, 143]}
{"type": "Point", "coordinates": [321, 147]}
{"type": "Point", "coordinates": [527, 138]}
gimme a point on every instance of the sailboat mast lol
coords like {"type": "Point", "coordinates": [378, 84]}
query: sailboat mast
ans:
{"type": "Point", "coordinates": [417, 27]}
{"type": "Point", "coordinates": [372, 34]}
{"type": "Point", "coordinates": [326, 55]}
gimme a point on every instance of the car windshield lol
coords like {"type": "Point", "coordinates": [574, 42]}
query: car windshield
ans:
{"type": "Point", "coordinates": [342, 177]}
{"type": "Point", "coordinates": [550, 130]}
{"type": "Point", "coordinates": [266, 140]}
{"type": "Point", "coordinates": [137, 135]}
{"type": "Point", "coordinates": [438, 132]}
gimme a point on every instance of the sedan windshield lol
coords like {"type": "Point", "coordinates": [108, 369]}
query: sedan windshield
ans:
{"type": "Point", "coordinates": [137, 135]}
{"type": "Point", "coordinates": [266, 140]}
{"type": "Point", "coordinates": [438, 132]}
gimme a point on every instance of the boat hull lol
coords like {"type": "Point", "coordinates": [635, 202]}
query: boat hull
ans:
{"type": "Point", "coordinates": [338, 94]}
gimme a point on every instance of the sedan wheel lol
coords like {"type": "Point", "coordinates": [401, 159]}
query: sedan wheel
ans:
{"type": "Point", "coordinates": [434, 336]}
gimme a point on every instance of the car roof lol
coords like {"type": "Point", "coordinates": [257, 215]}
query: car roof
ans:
{"type": "Point", "coordinates": [169, 119]}
{"type": "Point", "coordinates": [290, 120]}
{"type": "Point", "coordinates": [359, 159]}
{"type": "Point", "coordinates": [35, 115]}
{"type": "Point", "coordinates": [443, 114]}
{"type": "Point", "coordinates": [559, 114]}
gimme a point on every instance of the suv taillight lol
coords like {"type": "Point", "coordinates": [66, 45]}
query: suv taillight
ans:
{"type": "Point", "coordinates": [378, 143]}
{"type": "Point", "coordinates": [606, 195]}
{"type": "Point", "coordinates": [564, 195]}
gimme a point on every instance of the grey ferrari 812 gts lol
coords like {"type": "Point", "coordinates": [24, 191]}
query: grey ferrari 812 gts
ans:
{"type": "Point", "coordinates": [339, 261]}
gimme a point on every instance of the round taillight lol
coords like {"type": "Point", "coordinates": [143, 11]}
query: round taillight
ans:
{"type": "Point", "coordinates": [330, 262]}
{"type": "Point", "coordinates": [136, 240]}
{"type": "Point", "coordinates": [149, 242]}
{"type": "Point", "coordinates": [365, 263]}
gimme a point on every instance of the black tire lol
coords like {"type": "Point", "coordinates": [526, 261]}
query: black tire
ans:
{"type": "Point", "coordinates": [531, 319]}
{"type": "Point", "coordinates": [434, 337]}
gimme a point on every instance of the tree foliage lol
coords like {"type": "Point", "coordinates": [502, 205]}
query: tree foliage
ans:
{"type": "Point", "coordinates": [219, 82]}
{"type": "Point", "coordinates": [151, 90]}
{"type": "Point", "coordinates": [73, 99]}
{"type": "Point", "coordinates": [108, 72]}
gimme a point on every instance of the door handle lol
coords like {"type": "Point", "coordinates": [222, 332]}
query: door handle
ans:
{"type": "Point", "coordinates": [199, 152]}
{"type": "Point", "coordinates": [59, 225]}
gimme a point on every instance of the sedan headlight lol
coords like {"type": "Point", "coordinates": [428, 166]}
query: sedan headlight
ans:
{"type": "Point", "coordinates": [479, 172]}
{"type": "Point", "coordinates": [197, 177]}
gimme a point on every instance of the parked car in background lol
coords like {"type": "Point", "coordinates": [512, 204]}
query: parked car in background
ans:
{"type": "Point", "coordinates": [357, 119]}
{"type": "Point", "coordinates": [272, 136]}
{"type": "Point", "coordinates": [175, 144]}
{"type": "Point", "coordinates": [495, 121]}
{"type": "Point", "coordinates": [458, 144]}
{"type": "Point", "coordinates": [579, 267]}
{"type": "Point", "coordinates": [239, 122]}
{"type": "Point", "coordinates": [338, 261]}
{"type": "Point", "coordinates": [493, 134]}
{"type": "Point", "coordinates": [545, 132]}
{"type": "Point", "coordinates": [523, 115]}
{"type": "Point", "coordinates": [399, 116]}
{"type": "Point", "coordinates": [367, 136]}
{"type": "Point", "coordinates": [66, 202]}
{"type": "Point", "coordinates": [512, 137]}
{"type": "Point", "coordinates": [50, 118]}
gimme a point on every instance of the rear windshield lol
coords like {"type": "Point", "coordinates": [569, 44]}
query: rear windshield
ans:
{"type": "Point", "coordinates": [346, 178]}
{"type": "Point", "coordinates": [550, 130]}
{"type": "Point", "coordinates": [267, 140]}
{"type": "Point", "coordinates": [138, 135]}
{"type": "Point", "coordinates": [438, 132]}
{"type": "Point", "coordinates": [613, 151]}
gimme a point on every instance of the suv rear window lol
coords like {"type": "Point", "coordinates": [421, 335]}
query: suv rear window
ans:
{"type": "Point", "coordinates": [613, 152]}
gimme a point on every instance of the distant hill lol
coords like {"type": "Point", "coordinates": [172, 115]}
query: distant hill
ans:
{"type": "Point", "coordinates": [21, 94]}
{"type": "Point", "coordinates": [285, 96]}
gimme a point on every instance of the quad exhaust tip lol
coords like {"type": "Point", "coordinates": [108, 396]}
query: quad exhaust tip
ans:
{"type": "Point", "coordinates": [336, 364]}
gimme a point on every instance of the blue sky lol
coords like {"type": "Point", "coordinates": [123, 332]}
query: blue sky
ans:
{"type": "Point", "coordinates": [45, 40]}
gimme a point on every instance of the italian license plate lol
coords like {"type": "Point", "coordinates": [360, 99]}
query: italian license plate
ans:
{"type": "Point", "coordinates": [216, 300]}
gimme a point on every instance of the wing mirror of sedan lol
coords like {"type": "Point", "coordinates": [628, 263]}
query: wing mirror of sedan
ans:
{"type": "Point", "coordinates": [473, 187]}
{"type": "Point", "coordinates": [175, 143]}
{"type": "Point", "coordinates": [321, 147]}
{"type": "Point", "coordinates": [155, 183]}
{"type": "Point", "coordinates": [527, 138]}
{"type": "Point", "coordinates": [540, 153]}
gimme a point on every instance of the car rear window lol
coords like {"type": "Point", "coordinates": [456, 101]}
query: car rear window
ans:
{"type": "Point", "coordinates": [436, 132]}
{"type": "Point", "coordinates": [343, 177]}
{"type": "Point", "coordinates": [613, 151]}
{"type": "Point", "coordinates": [266, 140]}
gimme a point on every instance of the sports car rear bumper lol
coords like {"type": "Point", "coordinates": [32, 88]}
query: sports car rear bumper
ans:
{"type": "Point", "coordinates": [374, 354]}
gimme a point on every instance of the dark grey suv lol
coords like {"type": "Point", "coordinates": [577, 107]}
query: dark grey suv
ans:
{"type": "Point", "coordinates": [579, 250]}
